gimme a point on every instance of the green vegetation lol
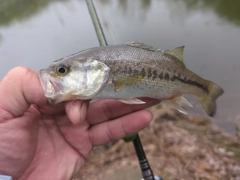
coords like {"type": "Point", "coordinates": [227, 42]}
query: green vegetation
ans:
{"type": "Point", "coordinates": [17, 10]}
{"type": "Point", "coordinates": [11, 10]}
{"type": "Point", "coordinates": [227, 10]}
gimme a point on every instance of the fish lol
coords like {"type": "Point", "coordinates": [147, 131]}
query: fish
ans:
{"type": "Point", "coordinates": [127, 72]}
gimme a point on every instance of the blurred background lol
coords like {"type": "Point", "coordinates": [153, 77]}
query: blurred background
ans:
{"type": "Point", "coordinates": [34, 33]}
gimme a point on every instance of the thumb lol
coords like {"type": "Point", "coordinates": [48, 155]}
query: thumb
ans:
{"type": "Point", "coordinates": [18, 90]}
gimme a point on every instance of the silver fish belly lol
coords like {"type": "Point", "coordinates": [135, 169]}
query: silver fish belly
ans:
{"type": "Point", "coordinates": [134, 70]}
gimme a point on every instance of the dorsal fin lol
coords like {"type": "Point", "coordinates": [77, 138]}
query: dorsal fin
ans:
{"type": "Point", "coordinates": [177, 52]}
{"type": "Point", "coordinates": [141, 45]}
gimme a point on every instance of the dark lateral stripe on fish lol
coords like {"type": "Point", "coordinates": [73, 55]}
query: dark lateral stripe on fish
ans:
{"type": "Point", "coordinates": [165, 76]}
{"type": "Point", "coordinates": [194, 83]}
{"type": "Point", "coordinates": [143, 72]}
{"type": "Point", "coordinates": [149, 72]}
{"type": "Point", "coordinates": [154, 74]}
{"type": "Point", "coordinates": [184, 80]}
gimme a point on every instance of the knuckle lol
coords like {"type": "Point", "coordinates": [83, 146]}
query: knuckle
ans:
{"type": "Point", "coordinates": [20, 70]}
{"type": "Point", "coordinates": [107, 110]}
{"type": "Point", "coordinates": [110, 133]}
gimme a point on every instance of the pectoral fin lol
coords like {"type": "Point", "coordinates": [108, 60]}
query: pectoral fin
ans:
{"type": "Point", "coordinates": [132, 101]}
{"type": "Point", "coordinates": [127, 81]}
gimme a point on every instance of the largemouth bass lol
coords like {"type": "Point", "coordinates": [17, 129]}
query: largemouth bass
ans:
{"type": "Point", "coordinates": [126, 72]}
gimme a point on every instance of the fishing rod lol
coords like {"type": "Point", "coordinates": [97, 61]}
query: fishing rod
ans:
{"type": "Point", "coordinates": [147, 172]}
{"type": "Point", "coordinates": [98, 28]}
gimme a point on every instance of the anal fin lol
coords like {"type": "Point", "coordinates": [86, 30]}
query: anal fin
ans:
{"type": "Point", "coordinates": [173, 105]}
{"type": "Point", "coordinates": [182, 101]}
{"type": "Point", "coordinates": [176, 103]}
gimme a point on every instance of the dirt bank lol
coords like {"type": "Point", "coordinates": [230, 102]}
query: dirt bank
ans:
{"type": "Point", "coordinates": [176, 147]}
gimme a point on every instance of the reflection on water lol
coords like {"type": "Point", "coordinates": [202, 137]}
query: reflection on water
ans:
{"type": "Point", "coordinates": [17, 10]}
{"type": "Point", "coordinates": [227, 10]}
{"type": "Point", "coordinates": [144, 5]}
{"type": "Point", "coordinates": [11, 10]}
{"type": "Point", "coordinates": [34, 33]}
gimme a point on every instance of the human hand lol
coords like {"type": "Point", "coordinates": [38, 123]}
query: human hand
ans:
{"type": "Point", "coordinates": [42, 141]}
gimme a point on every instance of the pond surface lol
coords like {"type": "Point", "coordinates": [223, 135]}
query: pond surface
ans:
{"type": "Point", "coordinates": [33, 33]}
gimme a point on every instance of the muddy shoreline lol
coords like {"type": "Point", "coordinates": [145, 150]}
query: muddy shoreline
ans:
{"type": "Point", "coordinates": [176, 147]}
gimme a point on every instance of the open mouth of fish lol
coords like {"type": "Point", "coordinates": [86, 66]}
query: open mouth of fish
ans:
{"type": "Point", "coordinates": [51, 87]}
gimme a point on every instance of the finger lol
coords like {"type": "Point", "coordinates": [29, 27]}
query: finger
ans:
{"type": "Point", "coordinates": [76, 110]}
{"type": "Point", "coordinates": [18, 89]}
{"type": "Point", "coordinates": [112, 130]}
{"type": "Point", "coordinates": [104, 110]}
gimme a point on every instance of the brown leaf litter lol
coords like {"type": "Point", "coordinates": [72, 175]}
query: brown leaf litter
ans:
{"type": "Point", "coordinates": [177, 148]}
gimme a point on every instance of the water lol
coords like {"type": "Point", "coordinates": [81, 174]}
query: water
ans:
{"type": "Point", "coordinates": [34, 33]}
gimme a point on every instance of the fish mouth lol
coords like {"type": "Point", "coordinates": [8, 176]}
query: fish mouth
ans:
{"type": "Point", "coordinates": [50, 85]}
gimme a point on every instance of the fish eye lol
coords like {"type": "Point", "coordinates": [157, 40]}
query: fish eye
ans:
{"type": "Point", "coordinates": [62, 70]}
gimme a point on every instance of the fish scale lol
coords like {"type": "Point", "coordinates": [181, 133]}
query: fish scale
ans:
{"type": "Point", "coordinates": [127, 72]}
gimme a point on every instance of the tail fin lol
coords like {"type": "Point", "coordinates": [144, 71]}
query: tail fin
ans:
{"type": "Point", "coordinates": [209, 101]}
